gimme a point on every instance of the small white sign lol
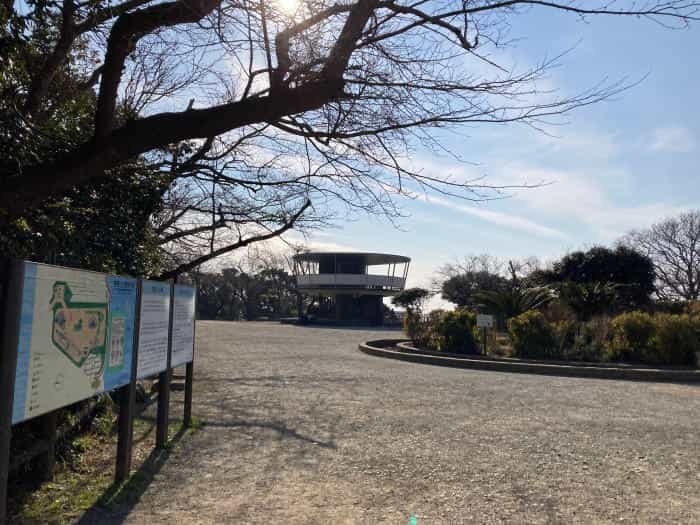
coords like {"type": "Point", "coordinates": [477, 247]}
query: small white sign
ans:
{"type": "Point", "coordinates": [484, 321]}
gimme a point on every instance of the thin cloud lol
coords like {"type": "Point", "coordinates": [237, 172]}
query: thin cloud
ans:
{"type": "Point", "coordinates": [585, 199]}
{"type": "Point", "coordinates": [513, 222]}
{"type": "Point", "coordinates": [673, 139]}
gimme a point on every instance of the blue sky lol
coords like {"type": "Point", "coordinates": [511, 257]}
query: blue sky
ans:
{"type": "Point", "coordinates": [621, 164]}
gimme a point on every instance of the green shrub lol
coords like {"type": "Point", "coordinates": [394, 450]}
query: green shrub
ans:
{"type": "Point", "coordinates": [693, 310]}
{"type": "Point", "coordinates": [631, 337]}
{"type": "Point", "coordinates": [662, 339]}
{"type": "Point", "coordinates": [670, 307]}
{"type": "Point", "coordinates": [589, 299]}
{"type": "Point", "coordinates": [411, 325]}
{"type": "Point", "coordinates": [590, 340]}
{"type": "Point", "coordinates": [412, 300]}
{"type": "Point", "coordinates": [557, 311]}
{"type": "Point", "coordinates": [675, 341]}
{"type": "Point", "coordinates": [429, 338]}
{"type": "Point", "coordinates": [417, 328]}
{"type": "Point", "coordinates": [533, 336]}
{"type": "Point", "coordinates": [564, 333]}
{"type": "Point", "coordinates": [453, 332]}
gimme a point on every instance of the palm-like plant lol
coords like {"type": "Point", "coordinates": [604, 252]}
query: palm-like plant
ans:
{"type": "Point", "coordinates": [590, 299]}
{"type": "Point", "coordinates": [513, 301]}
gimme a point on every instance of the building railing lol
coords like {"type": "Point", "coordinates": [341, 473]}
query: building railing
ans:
{"type": "Point", "coordinates": [350, 280]}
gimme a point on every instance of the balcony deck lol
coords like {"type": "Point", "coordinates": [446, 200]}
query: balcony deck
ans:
{"type": "Point", "coordinates": [349, 281]}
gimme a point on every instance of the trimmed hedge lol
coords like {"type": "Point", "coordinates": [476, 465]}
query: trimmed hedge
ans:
{"type": "Point", "coordinates": [581, 341]}
{"type": "Point", "coordinates": [633, 337]}
{"type": "Point", "coordinates": [662, 339]}
{"type": "Point", "coordinates": [444, 331]}
{"type": "Point", "coordinates": [453, 332]}
{"type": "Point", "coordinates": [533, 336]}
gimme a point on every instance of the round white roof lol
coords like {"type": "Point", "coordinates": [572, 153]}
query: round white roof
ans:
{"type": "Point", "coordinates": [369, 258]}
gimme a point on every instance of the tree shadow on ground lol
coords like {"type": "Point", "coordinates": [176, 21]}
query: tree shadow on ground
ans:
{"type": "Point", "coordinates": [118, 500]}
{"type": "Point", "coordinates": [357, 328]}
{"type": "Point", "coordinates": [279, 427]}
{"type": "Point", "coordinates": [115, 504]}
{"type": "Point", "coordinates": [279, 380]}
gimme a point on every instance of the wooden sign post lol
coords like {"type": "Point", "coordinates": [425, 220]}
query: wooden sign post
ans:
{"type": "Point", "coordinates": [189, 373]}
{"type": "Point", "coordinates": [10, 303]}
{"type": "Point", "coordinates": [127, 405]}
{"type": "Point", "coordinates": [163, 416]}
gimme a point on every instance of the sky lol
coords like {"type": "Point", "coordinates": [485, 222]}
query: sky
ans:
{"type": "Point", "coordinates": [612, 167]}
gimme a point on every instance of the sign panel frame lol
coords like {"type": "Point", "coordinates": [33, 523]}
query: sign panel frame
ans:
{"type": "Point", "coordinates": [72, 323]}
{"type": "Point", "coordinates": [154, 328]}
{"type": "Point", "coordinates": [184, 313]}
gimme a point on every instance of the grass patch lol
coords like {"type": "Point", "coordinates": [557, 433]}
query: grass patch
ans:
{"type": "Point", "coordinates": [87, 479]}
{"type": "Point", "coordinates": [74, 489]}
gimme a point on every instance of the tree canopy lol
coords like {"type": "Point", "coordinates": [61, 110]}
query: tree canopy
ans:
{"type": "Point", "coordinates": [464, 289]}
{"type": "Point", "coordinates": [411, 299]}
{"type": "Point", "coordinates": [601, 280]}
{"type": "Point", "coordinates": [257, 117]}
{"type": "Point", "coordinates": [236, 294]}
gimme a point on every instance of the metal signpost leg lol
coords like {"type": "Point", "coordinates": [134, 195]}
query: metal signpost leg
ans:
{"type": "Point", "coordinates": [189, 372]}
{"type": "Point", "coordinates": [189, 376]}
{"type": "Point", "coordinates": [11, 277]}
{"type": "Point", "coordinates": [127, 404]}
{"type": "Point", "coordinates": [164, 385]}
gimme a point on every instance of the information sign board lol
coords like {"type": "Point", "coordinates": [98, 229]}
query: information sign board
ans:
{"type": "Point", "coordinates": [75, 339]}
{"type": "Point", "coordinates": [183, 325]}
{"type": "Point", "coordinates": [484, 321]}
{"type": "Point", "coordinates": [153, 328]}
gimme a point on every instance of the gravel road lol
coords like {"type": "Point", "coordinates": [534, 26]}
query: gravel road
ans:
{"type": "Point", "coordinates": [300, 427]}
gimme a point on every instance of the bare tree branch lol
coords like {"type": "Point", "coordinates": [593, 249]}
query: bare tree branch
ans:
{"type": "Point", "coordinates": [241, 243]}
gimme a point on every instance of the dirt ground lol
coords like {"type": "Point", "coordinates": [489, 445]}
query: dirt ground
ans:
{"type": "Point", "coordinates": [300, 427]}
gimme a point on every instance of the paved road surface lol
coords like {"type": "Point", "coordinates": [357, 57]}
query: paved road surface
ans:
{"type": "Point", "coordinates": [302, 428]}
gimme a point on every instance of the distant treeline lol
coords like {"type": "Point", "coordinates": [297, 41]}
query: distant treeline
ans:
{"type": "Point", "coordinates": [234, 294]}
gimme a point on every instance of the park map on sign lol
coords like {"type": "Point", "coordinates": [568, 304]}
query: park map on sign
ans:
{"type": "Point", "coordinates": [75, 337]}
{"type": "Point", "coordinates": [79, 330]}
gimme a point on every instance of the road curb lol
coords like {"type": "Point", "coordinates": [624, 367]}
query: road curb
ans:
{"type": "Point", "coordinates": [387, 348]}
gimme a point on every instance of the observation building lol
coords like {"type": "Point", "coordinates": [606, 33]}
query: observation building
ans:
{"type": "Point", "coordinates": [348, 287]}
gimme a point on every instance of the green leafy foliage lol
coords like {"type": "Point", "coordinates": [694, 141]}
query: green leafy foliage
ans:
{"type": "Point", "coordinates": [631, 337]}
{"type": "Point", "coordinates": [602, 280]}
{"type": "Point", "coordinates": [581, 341]}
{"type": "Point", "coordinates": [416, 328]}
{"type": "Point", "coordinates": [102, 225]}
{"type": "Point", "coordinates": [693, 310]}
{"type": "Point", "coordinates": [411, 298]}
{"type": "Point", "coordinates": [511, 302]}
{"type": "Point", "coordinates": [532, 336]}
{"type": "Point", "coordinates": [587, 300]}
{"type": "Point", "coordinates": [675, 341]}
{"type": "Point", "coordinates": [414, 325]}
{"type": "Point", "coordinates": [234, 294]}
{"type": "Point", "coordinates": [65, 117]}
{"type": "Point", "coordinates": [463, 289]}
{"type": "Point", "coordinates": [453, 332]}
{"type": "Point", "coordinates": [424, 334]}
{"type": "Point", "coordinates": [661, 339]}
